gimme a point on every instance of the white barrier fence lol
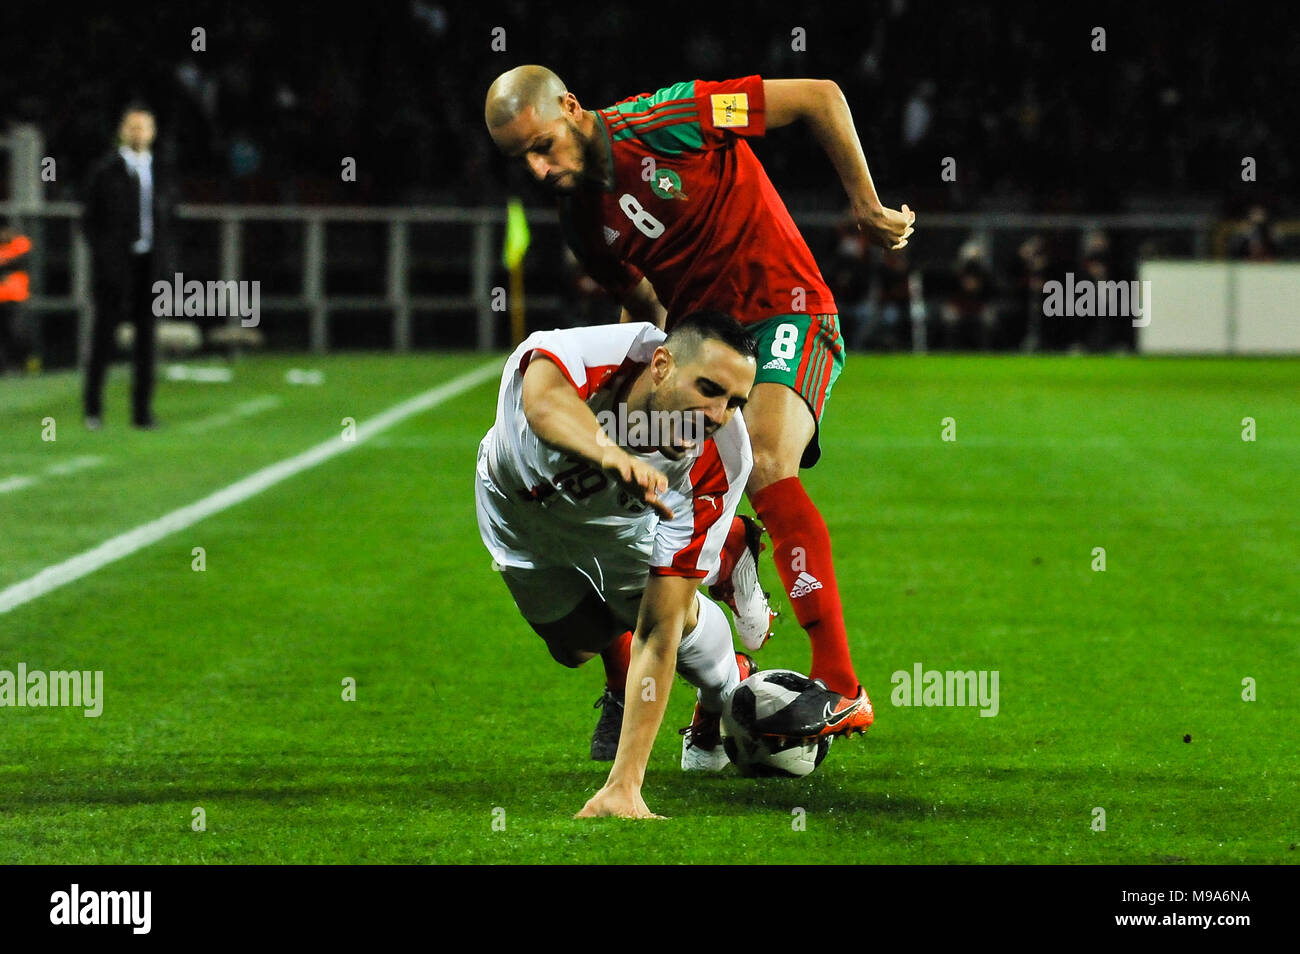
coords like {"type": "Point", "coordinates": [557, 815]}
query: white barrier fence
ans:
{"type": "Point", "coordinates": [1222, 308]}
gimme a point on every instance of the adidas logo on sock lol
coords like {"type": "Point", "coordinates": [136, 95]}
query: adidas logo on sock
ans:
{"type": "Point", "coordinates": [804, 585]}
{"type": "Point", "coordinates": [776, 364]}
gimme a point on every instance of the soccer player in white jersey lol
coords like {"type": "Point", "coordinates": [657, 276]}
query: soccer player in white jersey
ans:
{"type": "Point", "coordinates": [606, 488]}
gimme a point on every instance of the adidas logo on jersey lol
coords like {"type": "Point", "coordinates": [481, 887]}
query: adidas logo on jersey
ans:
{"type": "Point", "coordinates": [610, 235]}
{"type": "Point", "coordinates": [776, 364]}
{"type": "Point", "coordinates": [804, 585]}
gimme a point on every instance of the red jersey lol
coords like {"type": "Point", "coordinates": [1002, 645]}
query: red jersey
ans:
{"type": "Point", "coordinates": [691, 208]}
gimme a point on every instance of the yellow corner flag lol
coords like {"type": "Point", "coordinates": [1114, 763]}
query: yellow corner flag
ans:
{"type": "Point", "coordinates": [512, 256]}
{"type": "Point", "coordinates": [516, 235]}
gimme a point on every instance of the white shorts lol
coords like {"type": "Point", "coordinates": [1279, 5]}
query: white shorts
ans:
{"type": "Point", "coordinates": [552, 565]}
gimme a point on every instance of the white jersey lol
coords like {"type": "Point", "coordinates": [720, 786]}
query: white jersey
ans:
{"type": "Point", "coordinates": [576, 506]}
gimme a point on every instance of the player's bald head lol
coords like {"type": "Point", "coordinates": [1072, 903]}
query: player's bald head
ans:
{"type": "Point", "coordinates": [515, 90]}
{"type": "Point", "coordinates": [531, 116]}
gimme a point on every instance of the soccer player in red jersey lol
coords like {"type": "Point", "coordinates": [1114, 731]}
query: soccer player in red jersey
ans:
{"type": "Point", "coordinates": [666, 205]}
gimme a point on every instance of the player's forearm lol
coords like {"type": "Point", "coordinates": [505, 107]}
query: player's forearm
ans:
{"type": "Point", "coordinates": [560, 418]}
{"type": "Point", "coordinates": [832, 125]}
{"type": "Point", "coordinates": [656, 317]}
{"type": "Point", "coordinates": [568, 425]}
{"type": "Point", "coordinates": [649, 679]}
{"type": "Point", "coordinates": [642, 304]}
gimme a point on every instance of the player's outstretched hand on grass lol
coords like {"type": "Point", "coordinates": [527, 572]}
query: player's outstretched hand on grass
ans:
{"type": "Point", "coordinates": [616, 803]}
{"type": "Point", "coordinates": [638, 478]}
{"type": "Point", "coordinates": [888, 228]}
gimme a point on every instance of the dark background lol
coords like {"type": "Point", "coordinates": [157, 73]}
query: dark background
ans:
{"type": "Point", "coordinates": [1036, 121]}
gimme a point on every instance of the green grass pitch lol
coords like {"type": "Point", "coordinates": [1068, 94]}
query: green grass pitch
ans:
{"type": "Point", "coordinates": [223, 688]}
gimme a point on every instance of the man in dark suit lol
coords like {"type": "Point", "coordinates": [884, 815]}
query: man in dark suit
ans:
{"type": "Point", "coordinates": [127, 217]}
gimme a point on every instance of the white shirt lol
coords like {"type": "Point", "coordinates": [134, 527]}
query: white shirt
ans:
{"type": "Point", "coordinates": [703, 491]}
{"type": "Point", "coordinates": [141, 163]}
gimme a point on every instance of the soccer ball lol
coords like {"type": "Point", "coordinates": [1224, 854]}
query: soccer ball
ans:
{"type": "Point", "coordinates": [758, 699]}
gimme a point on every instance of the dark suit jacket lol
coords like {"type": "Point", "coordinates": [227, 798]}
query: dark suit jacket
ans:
{"type": "Point", "coordinates": [112, 217]}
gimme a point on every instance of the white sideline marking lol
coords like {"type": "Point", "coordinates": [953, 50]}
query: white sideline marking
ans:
{"type": "Point", "coordinates": [70, 466]}
{"type": "Point", "coordinates": [80, 462]}
{"type": "Point", "coordinates": [17, 482]}
{"type": "Point", "coordinates": [207, 375]}
{"type": "Point", "coordinates": [125, 544]}
{"type": "Point", "coordinates": [256, 406]}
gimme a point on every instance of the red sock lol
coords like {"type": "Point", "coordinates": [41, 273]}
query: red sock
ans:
{"type": "Point", "coordinates": [616, 657]}
{"type": "Point", "coordinates": [801, 547]}
{"type": "Point", "coordinates": [732, 548]}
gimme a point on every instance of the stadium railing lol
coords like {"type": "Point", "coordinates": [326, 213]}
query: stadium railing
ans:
{"type": "Point", "coordinates": [1192, 233]}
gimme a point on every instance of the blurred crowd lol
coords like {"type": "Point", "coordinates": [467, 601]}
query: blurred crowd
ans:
{"type": "Point", "coordinates": [891, 301]}
{"type": "Point", "coordinates": [1033, 116]}
{"type": "Point", "coordinates": [261, 103]}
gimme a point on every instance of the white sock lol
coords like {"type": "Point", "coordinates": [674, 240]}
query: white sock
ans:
{"type": "Point", "coordinates": [706, 657]}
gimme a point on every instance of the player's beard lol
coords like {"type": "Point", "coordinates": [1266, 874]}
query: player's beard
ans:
{"type": "Point", "coordinates": [675, 448]}
{"type": "Point", "coordinates": [590, 172]}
